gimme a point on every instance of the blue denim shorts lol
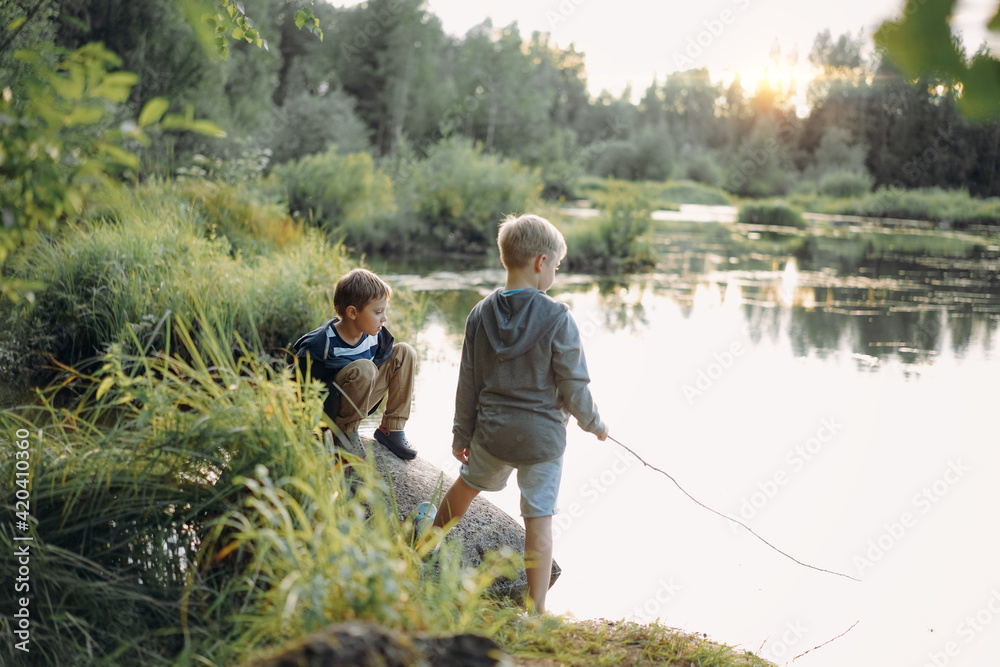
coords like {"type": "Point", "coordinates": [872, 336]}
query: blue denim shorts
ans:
{"type": "Point", "coordinates": [538, 482]}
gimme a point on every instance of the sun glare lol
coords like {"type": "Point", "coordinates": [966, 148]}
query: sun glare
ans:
{"type": "Point", "coordinates": [787, 81]}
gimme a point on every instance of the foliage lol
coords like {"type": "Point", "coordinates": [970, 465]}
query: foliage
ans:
{"type": "Point", "coordinates": [338, 192]}
{"type": "Point", "coordinates": [776, 215]}
{"type": "Point", "coordinates": [921, 43]}
{"type": "Point", "coordinates": [949, 207]}
{"type": "Point", "coordinates": [308, 124]}
{"type": "Point", "coordinates": [839, 151]}
{"type": "Point", "coordinates": [611, 643]}
{"type": "Point", "coordinates": [616, 241]}
{"type": "Point", "coordinates": [845, 184]}
{"type": "Point", "coordinates": [686, 192]}
{"type": "Point", "coordinates": [112, 281]}
{"type": "Point", "coordinates": [458, 195]}
{"type": "Point", "coordinates": [185, 510]}
{"type": "Point", "coordinates": [703, 168]}
{"type": "Point", "coordinates": [559, 162]}
{"type": "Point", "coordinates": [218, 23]}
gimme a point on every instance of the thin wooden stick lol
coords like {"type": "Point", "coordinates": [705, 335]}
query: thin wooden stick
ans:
{"type": "Point", "coordinates": [724, 516]}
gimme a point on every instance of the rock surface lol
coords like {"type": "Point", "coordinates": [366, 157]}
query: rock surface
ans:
{"type": "Point", "coordinates": [484, 527]}
{"type": "Point", "coordinates": [362, 644]}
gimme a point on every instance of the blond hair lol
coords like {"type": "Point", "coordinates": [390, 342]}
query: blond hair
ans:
{"type": "Point", "coordinates": [358, 288]}
{"type": "Point", "coordinates": [523, 238]}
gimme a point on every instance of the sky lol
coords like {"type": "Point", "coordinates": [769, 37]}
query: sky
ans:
{"type": "Point", "coordinates": [633, 41]}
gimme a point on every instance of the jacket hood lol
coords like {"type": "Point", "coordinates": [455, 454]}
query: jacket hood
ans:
{"type": "Point", "coordinates": [516, 322]}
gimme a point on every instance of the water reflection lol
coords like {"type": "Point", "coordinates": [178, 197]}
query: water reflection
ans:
{"type": "Point", "coordinates": [876, 294]}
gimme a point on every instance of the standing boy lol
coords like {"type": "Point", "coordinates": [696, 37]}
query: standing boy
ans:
{"type": "Point", "coordinates": [522, 375]}
{"type": "Point", "coordinates": [354, 355]}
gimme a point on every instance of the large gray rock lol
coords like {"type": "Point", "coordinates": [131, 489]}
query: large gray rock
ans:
{"type": "Point", "coordinates": [361, 644]}
{"type": "Point", "coordinates": [484, 527]}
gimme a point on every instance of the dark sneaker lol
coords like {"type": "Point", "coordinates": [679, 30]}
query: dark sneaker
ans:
{"type": "Point", "coordinates": [395, 442]}
{"type": "Point", "coordinates": [351, 441]}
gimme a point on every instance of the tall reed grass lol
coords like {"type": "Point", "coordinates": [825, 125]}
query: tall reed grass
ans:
{"type": "Point", "coordinates": [186, 511]}
{"type": "Point", "coordinates": [165, 248]}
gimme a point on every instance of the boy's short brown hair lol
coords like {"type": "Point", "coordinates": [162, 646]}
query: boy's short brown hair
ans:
{"type": "Point", "coordinates": [522, 238]}
{"type": "Point", "coordinates": [358, 288]}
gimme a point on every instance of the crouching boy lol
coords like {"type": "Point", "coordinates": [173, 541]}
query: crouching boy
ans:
{"type": "Point", "coordinates": [522, 375]}
{"type": "Point", "coordinates": [359, 361]}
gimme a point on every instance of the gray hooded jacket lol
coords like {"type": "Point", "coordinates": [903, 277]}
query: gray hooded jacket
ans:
{"type": "Point", "coordinates": [523, 374]}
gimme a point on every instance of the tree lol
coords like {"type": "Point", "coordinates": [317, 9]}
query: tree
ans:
{"type": "Point", "coordinates": [66, 130]}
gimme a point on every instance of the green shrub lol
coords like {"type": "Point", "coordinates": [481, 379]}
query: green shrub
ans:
{"type": "Point", "coordinates": [845, 184]}
{"type": "Point", "coordinates": [454, 199]}
{"type": "Point", "coordinates": [616, 159]}
{"type": "Point", "coordinates": [688, 192]}
{"type": "Point", "coordinates": [308, 124]}
{"type": "Point", "coordinates": [777, 215]}
{"type": "Point", "coordinates": [167, 252]}
{"type": "Point", "coordinates": [616, 242]}
{"type": "Point", "coordinates": [337, 191]}
{"type": "Point", "coordinates": [704, 169]}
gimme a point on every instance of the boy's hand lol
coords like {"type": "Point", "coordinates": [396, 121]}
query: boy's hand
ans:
{"type": "Point", "coordinates": [461, 454]}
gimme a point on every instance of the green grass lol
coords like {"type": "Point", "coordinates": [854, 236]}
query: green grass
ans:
{"type": "Point", "coordinates": [934, 204]}
{"type": "Point", "coordinates": [171, 248]}
{"type": "Point", "coordinates": [189, 497]}
{"type": "Point", "coordinates": [613, 643]}
{"type": "Point", "coordinates": [665, 195]}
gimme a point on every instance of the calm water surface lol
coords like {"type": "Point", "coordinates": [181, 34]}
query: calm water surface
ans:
{"type": "Point", "coordinates": [838, 394]}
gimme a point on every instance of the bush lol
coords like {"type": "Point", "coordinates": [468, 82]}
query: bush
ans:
{"type": "Point", "coordinates": [166, 252]}
{"type": "Point", "coordinates": [704, 169]}
{"type": "Point", "coordinates": [616, 159]}
{"type": "Point", "coordinates": [454, 199]}
{"type": "Point", "coordinates": [777, 215]}
{"type": "Point", "coordinates": [687, 192]}
{"type": "Point", "coordinates": [615, 242]}
{"type": "Point", "coordinates": [309, 124]}
{"type": "Point", "coordinates": [336, 191]}
{"type": "Point", "coordinates": [845, 184]}
{"type": "Point", "coordinates": [559, 163]}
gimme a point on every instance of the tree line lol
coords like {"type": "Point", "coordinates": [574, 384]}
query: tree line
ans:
{"type": "Point", "coordinates": [386, 79]}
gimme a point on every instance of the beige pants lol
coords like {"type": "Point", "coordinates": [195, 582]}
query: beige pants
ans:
{"type": "Point", "coordinates": [365, 385]}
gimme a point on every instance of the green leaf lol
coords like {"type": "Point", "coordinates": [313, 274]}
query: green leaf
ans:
{"type": "Point", "coordinates": [106, 384]}
{"type": "Point", "coordinates": [83, 116]}
{"type": "Point", "coordinates": [116, 86]}
{"type": "Point", "coordinates": [232, 11]}
{"type": "Point", "coordinates": [153, 111]}
{"type": "Point", "coordinates": [300, 19]}
{"type": "Point", "coordinates": [16, 23]}
{"type": "Point", "coordinates": [237, 33]}
{"type": "Point", "coordinates": [994, 23]}
{"type": "Point", "coordinates": [28, 56]}
{"type": "Point", "coordinates": [208, 128]}
{"type": "Point", "coordinates": [980, 99]}
{"type": "Point", "coordinates": [121, 156]}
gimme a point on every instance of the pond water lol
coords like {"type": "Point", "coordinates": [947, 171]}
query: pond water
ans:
{"type": "Point", "coordinates": [835, 393]}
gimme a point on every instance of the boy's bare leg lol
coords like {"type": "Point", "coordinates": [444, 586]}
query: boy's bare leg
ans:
{"type": "Point", "coordinates": [538, 558]}
{"type": "Point", "coordinates": [455, 503]}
